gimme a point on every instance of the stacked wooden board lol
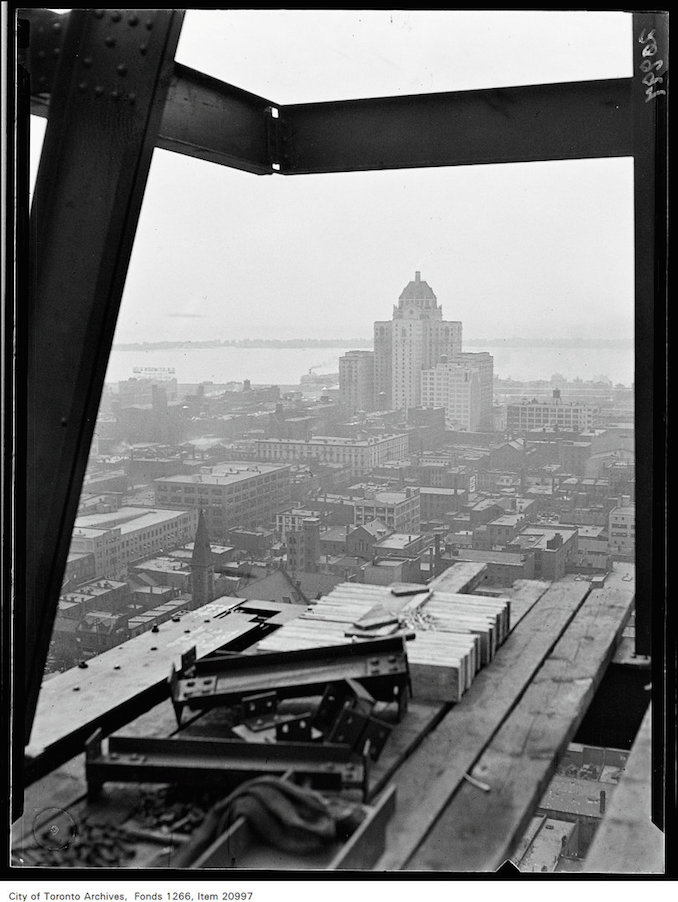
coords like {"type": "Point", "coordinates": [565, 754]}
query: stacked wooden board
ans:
{"type": "Point", "coordinates": [454, 634]}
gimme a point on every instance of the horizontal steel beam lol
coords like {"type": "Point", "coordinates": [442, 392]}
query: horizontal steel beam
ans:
{"type": "Point", "coordinates": [381, 665]}
{"type": "Point", "coordinates": [212, 120]}
{"type": "Point", "coordinates": [217, 762]}
{"type": "Point", "coordinates": [215, 121]}
{"type": "Point", "coordinates": [503, 125]}
{"type": "Point", "coordinates": [207, 119]}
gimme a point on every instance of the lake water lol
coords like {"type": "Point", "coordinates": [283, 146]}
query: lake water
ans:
{"type": "Point", "coordinates": [285, 366]}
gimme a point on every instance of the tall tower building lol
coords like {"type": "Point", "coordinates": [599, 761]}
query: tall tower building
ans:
{"type": "Point", "coordinates": [414, 340]}
{"type": "Point", "coordinates": [356, 381]}
{"type": "Point", "coordinates": [202, 566]}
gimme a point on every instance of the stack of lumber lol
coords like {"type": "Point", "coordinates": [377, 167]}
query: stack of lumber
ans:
{"type": "Point", "coordinates": [454, 635]}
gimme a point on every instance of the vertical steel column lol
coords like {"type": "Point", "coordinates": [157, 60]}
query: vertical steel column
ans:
{"type": "Point", "coordinates": [649, 139]}
{"type": "Point", "coordinates": [105, 110]}
{"type": "Point", "coordinates": [650, 76]}
{"type": "Point", "coordinates": [15, 272]}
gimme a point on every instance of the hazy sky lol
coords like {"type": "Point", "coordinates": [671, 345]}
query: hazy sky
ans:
{"type": "Point", "coordinates": [519, 249]}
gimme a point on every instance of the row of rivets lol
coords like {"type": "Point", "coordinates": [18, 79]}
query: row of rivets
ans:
{"type": "Point", "coordinates": [99, 90]}
{"type": "Point", "coordinates": [116, 16]}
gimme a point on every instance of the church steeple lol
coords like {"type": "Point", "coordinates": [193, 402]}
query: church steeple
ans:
{"type": "Point", "coordinates": [202, 567]}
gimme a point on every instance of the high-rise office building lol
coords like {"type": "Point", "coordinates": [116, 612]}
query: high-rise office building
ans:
{"type": "Point", "coordinates": [463, 387]}
{"type": "Point", "coordinates": [356, 381]}
{"type": "Point", "coordinates": [414, 340]}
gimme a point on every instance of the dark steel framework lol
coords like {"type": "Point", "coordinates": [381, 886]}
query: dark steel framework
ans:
{"type": "Point", "coordinates": [108, 82]}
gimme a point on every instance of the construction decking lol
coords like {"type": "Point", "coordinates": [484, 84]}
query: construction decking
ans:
{"type": "Point", "coordinates": [627, 842]}
{"type": "Point", "coordinates": [468, 776]}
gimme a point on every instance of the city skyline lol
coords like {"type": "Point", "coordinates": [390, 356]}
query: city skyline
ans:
{"type": "Point", "coordinates": [221, 252]}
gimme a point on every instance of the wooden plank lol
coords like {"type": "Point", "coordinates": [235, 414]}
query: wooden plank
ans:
{"type": "Point", "coordinates": [422, 716]}
{"type": "Point", "coordinates": [366, 845]}
{"type": "Point", "coordinates": [526, 593]}
{"type": "Point", "coordinates": [479, 829]}
{"type": "Point", "coordinates": [461, 577]}
{"type": "Point", "coordinates": [429, 778]}
{"type": "Point", "coordinates": [627, 842]}
{"type": "Point", "coordinates": [121, 683]}
{"type": "Point", "coordinates": [453, 617]}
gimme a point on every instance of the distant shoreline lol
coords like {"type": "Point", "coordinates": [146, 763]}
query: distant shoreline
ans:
{"type": "Point", "coordinates": [367, 343]}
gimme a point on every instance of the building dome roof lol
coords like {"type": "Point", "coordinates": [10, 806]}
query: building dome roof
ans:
{"type": "Point", "coordinates": [417, 290]}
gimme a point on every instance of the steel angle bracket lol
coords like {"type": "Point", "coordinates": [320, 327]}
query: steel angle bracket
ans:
{"type": "Point", "coordinates": [379, 665]}
{"type": "Point", "coordinates": [219, 762]}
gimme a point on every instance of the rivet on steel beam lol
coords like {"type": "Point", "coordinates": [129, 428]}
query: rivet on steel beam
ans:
{"type": "Point", "coordinates": [116, 15]}
{"type": "Point", "coordinates": [149, 24]}
{"type": "Point", "coordinates": [56, 52]}
{"type": "Point", "coordinates": [143, 48]}
{"type": "Point", "coordinates": [121, 69]}
{"type": "Point", "coordinates": [41, 54]}
{"type": "Point", "coordinates": [42, 80]}
{"type": "Point", "coordinates": [132, 97]}
{"type": "Point", "coordinates": [114, 95]}
{"type": "Point", "coordinates": [110, 42]}
{"type": "Point", "coordinates": [56, 27]}
{"type": "Point", "coordinates": [98, 90]}
{"type": "Point", "coordinates": [82, 86]}
{"type": "Point", "coordinates": [87, 62]}
{"type": "Point", "coordinates": [133, 20]}
{"type": "Point", "coordinates": [99, 13]}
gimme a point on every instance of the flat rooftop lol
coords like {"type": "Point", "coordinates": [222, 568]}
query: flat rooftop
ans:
{"type": "Point", "coordinates": [592, 532]}
{"type": "Point", "coordinates": [92, 590]}
{"type": "Point", "coordinates": [488, 557]}
{"type": "Point", "coordinates": [165, 564]}
{"type": "Point", "coordinates": [333, 440]}
{"type": "Point", "coordinates": [550, 531]}
{"type": "Point", "coordinates": [297, 512]}
{"type": "Point", "coordinates": [434, 490]}
{"type": "Point", "coordinates": [225, 473]}
{"type": "Point", "coordinates": [126, 519]}
{"type": "Point", "coordinates": [398, 540]}
{"type": "Point", "coordinates": [216, 549]}
{"type": "Point", "coordinates": [507, 520]}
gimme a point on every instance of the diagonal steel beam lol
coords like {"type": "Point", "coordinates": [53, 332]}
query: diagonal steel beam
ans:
{"type": "Point", "coordinates": [107, 100]}
{"type": "Point", "coordinates": [504, 125]}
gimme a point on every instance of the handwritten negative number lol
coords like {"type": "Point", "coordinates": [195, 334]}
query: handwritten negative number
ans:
{"type": "Point", "coordinates": [647, 65]}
